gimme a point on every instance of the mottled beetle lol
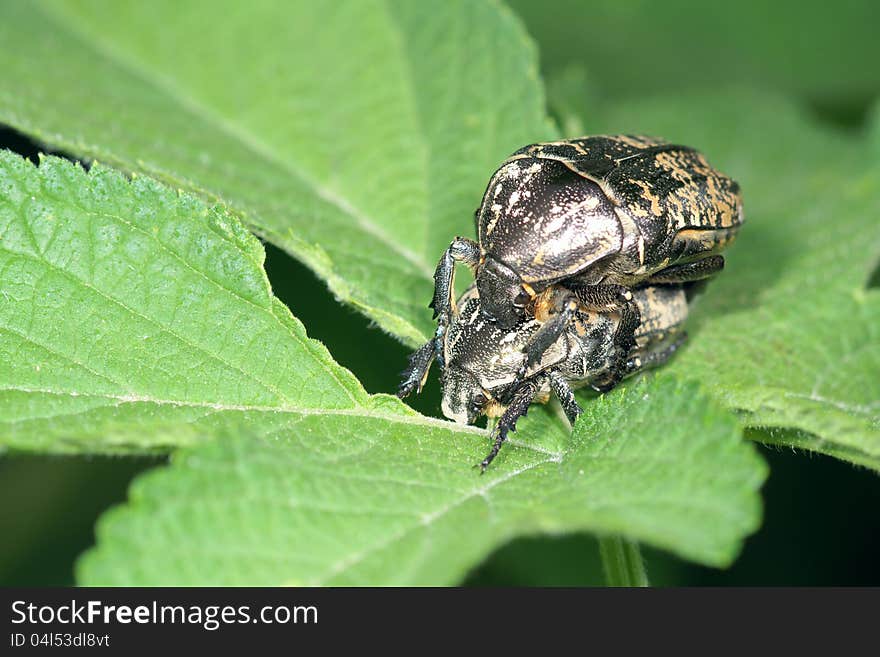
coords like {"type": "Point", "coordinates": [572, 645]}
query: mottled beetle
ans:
{"type": "Point", "coordinates": [483, 361]}
{"type": "Point", "coordinates": [598, 215]}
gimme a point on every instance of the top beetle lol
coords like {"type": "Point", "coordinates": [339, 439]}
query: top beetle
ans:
{"type": "Point", "coordinates": [605, 212]}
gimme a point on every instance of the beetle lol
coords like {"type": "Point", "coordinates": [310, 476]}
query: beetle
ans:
{"type": "Point", "coordinates": [482, 361]}
{"type": "Point", "coordinates": [598, 215]}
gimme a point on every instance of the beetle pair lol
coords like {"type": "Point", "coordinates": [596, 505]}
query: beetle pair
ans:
{"type": "Point", "coordinates": [570, 231]}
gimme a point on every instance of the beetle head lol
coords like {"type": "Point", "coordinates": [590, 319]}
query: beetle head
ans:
{"type": "Point", "coordinates": [481, 358]}
{"type": "Point", "coordinates": [502, 296]}
{"type": "Point", "coordinates": [463, 397]}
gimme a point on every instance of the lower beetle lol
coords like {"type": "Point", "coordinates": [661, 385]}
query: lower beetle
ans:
{"type": "Point", "coordinates": [487, 371]}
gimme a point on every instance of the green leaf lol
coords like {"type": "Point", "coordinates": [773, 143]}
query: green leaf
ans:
{"type": "Point", "coordinates": [358, 137]}
{"type": "Point", "coordinates": [137, 318]}
{"type": "Point", "coordinates": [342, 501]}
{"type": "Point", "coordinates": [789, 333]}
{"type": "Point", "coordinates": [130, 311]}
{"type": "Point", "coordinates": [816, 50]}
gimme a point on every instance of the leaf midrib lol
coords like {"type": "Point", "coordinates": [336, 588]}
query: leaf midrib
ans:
{"type": "Point", "coordinates": [412, 418]}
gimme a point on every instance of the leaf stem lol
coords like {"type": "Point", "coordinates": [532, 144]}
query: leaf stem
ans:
{"type": "Point", "coordinates": [622, 562]}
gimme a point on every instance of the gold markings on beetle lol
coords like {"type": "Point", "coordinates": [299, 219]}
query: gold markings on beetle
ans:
{"type": "Point", "coordinates": [543, 397]}
{"type": "Point", "coordinates": [706, 197]}
{"type": "Point", "coordinates": [638, 141]}
{"type": "Point", "coordinates": [648, 193]}
{"type": "Point", "coordinates": [493, 409]}
{"type": "Point", "coordinates": [538, 260]}
{"type": "Point", "coordinates": [544, 303]}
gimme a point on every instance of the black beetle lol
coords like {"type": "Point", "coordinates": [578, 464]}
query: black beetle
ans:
{"type": "Point", "coordinates": [598, 215]}
{"type": "Point", "coordinates": [483, 362]}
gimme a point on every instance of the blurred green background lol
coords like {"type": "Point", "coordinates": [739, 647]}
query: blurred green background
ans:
{"type": "Point", "coordinates": [821, 523]}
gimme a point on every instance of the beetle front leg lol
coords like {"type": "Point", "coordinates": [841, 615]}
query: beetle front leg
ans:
{"type": "Point", "coordinates": [518, 407]}
{"type": "Point", "coordinates": [461, 250]}
{"type": "Point", "coordinates": [614, 298]}
{"type": "Point", "coordinates": [416, 374]}
{"type": "Point", "coordinates": [563, 391]}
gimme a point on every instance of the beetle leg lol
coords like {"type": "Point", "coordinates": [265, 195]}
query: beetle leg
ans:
{"type": "Point", "coordinates": [688, 272]}
{"type": "Point", "coordinates": [654, 358]}
{"type": "Point", "coordinates": [518, 407]}
{"type": "Point", "coordinates": [548, 334]}
{"type": "Point", "coordinates": [461, 250]}
{"type": "Point", "coordinates": [614, 298]}
{"type": "Point", "coordinates": [415, 375]}
{"type": "Point", "coordinates": [563, 391]}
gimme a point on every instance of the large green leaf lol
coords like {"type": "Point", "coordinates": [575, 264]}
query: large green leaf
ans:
{"type": "Point", "coordinates": [789, 334]}
{"type": "Point", "coordinates": [136, 318]}
{"type": "Point", "coordinates": [341, 501]}
{"type": "Point", "coordinates": [121, 86]}
{"type": "Point", "coordinates": [357, 136]}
